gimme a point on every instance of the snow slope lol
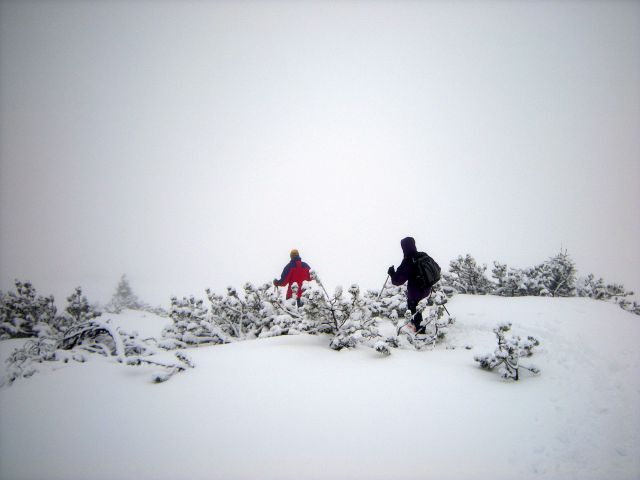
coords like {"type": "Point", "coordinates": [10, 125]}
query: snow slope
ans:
{"type": "Point", "coordinates": [291, 408]}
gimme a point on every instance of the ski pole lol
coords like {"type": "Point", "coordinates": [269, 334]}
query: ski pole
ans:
{"type": "Point", "coordinates": [383, 287]}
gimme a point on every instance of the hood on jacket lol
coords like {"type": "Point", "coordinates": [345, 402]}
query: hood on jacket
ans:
{"type": "Point", "coordinates": [408, 245]}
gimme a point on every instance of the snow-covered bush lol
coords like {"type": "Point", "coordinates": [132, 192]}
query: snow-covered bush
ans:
{"type": "Point", "coordinates": [391, 304]}
{"type": "Point", "coordinates": [27, 314]}
{"type": "Point", "coordinates": [260, 312]}
{"type": "Point", "coordinates": [80, 342]}
{"type": "Point", "coordinates": [246, 315]}
{"type": "Point", "coordinates": [256, 312]}
{"type": "Point", "coordinates": [633, 307]}
{"type": "Point", "coordinates": [435, 317]}
{"type": "Point", "coordinates": [435, 320]}
{"type": "Point", "coordinates": [22, 362]}
{"type": "Point", "coordinates": [74, 335]}
{"type": "Point", "coordinates": [78, 310]}
{"type": "Point", "coordinates": [590, 287]}
{"type": "Point", "coordinates": [554, 277]}
{"type": "Point", "coordinates": [192, 325]}
{"type": "Point", "coordinates": [516, 282]}
{"type": "Point", "coordinates": [283, 317]}
{"type": "Point", "coordinates": [353, 322]}
{"type": "Point", "coordinates": [24, 312]}
{"type": "Point", "coordinates": [466, 276]}
{"type": "Point", "coordinates": [559, 275]}
{"type": "Point", "coordinates": [507, 355]}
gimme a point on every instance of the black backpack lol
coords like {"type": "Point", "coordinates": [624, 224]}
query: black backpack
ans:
{"type": "Point", "coordinates": [426, 272]}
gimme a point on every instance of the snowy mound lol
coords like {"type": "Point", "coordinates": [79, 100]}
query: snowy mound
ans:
{"type": "Point", "coordinates": [291, 408]}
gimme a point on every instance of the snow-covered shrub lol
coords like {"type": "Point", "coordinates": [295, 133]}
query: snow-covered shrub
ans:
{"type": "Point", "coordinates": [192, 325]}
{"type": "Point", "coordinates": [283, 317]}
{"type": "Point", "coordinates": [256, 312]}
{"type": "Point", "coordinates": [507, 355]}
{"type": "Point", "coordinates": [354, 322]}
{"type": "Point", "coordinates": [78, 310]}
{"type": "Point", "coordinates": [348, 319]}
{"type": "Point", "coordinates": [633, 307]}
{"type": "Point", "coordinates": [613, 292]}
{"type": "Point", "coordinates": [24, 312]}
{"type": "Point", "coordinates": [74, 335]}
{"type": "Point", "coordinates": [559, 275]}
{"type": "Point", "coordinates": [516, 282]}
{"type": "Point", "coordinates": [435, 320]}
{"type": "Point", "coordinates": [79, 343]}
{"type": "Point", "coordinates": [466, 276]}
{"type": "Point", "coordinates": [240, 316]}
{"type": "Point", "coordinates": [157, 310]}
{"type": "Point", "coordinates": [27, 314]}
{"type": "Point", "coordinates": [391, 304]}
{"type": "Point", "coordinates": [555, 277]}
{"type": "Point", "coordinates": [590, 287]}
{"type": "Point", "coordinates": [168, 370]}
{"type": "Point", "coordinates": [22, 362]}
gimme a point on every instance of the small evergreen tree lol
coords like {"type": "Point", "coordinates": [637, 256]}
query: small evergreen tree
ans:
{"type": "Point", "coordinates": [123, 298]}
{"type": "Point", "coordinates": [24, 313]}
{"type": "Point", "coordinates": [559, 275]}
{"type": "Point", "coordinates": [591, 287]}
{"type": "Point", "coordinates": [507, 355]}
{"type": "Point", "coordinates": [78, 310]}
{"type": "Point", "coordinates": [501, 286]}
{"type": "Point", "coordinates": [465, 276]}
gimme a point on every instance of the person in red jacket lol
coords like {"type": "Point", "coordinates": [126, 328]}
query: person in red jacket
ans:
{"type": "Point", "coordinates": [296, 271]}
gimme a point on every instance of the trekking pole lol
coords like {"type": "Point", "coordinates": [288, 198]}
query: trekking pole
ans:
{"type": "Point", "coordinates": [383, 287]}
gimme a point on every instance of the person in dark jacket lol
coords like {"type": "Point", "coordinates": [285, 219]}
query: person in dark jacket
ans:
{"type": "Point", "coordinates": [296, 271]}
{"type": "Point", "coordinates": [406, 273]}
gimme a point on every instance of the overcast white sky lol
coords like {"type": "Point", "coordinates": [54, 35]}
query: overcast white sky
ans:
{"type": "Point", "coordinates": [193, 144]}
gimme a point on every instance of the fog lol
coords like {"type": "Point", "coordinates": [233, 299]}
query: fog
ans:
{"type": "Point", "coordinates": [193, 144]}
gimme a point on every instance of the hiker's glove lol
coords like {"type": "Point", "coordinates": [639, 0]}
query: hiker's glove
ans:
{"type": "Point", "coordinates": [391, 271]}
{"type": "Point", "coordinates": [275, 282]}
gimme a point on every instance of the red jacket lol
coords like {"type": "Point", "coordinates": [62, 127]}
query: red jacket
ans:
{"type": "Point", "coordinates": [297, 272]}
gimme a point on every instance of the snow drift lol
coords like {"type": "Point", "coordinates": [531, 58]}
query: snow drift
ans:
{"type": "Point", "coordinates": [291, 408]}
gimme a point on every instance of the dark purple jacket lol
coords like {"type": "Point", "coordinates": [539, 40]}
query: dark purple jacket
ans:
{"type": "Point", "coordinates": [404, 272]}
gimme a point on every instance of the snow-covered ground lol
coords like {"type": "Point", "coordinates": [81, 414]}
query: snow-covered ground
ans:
{"type": "Point", "coordinates": [291, 408]}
